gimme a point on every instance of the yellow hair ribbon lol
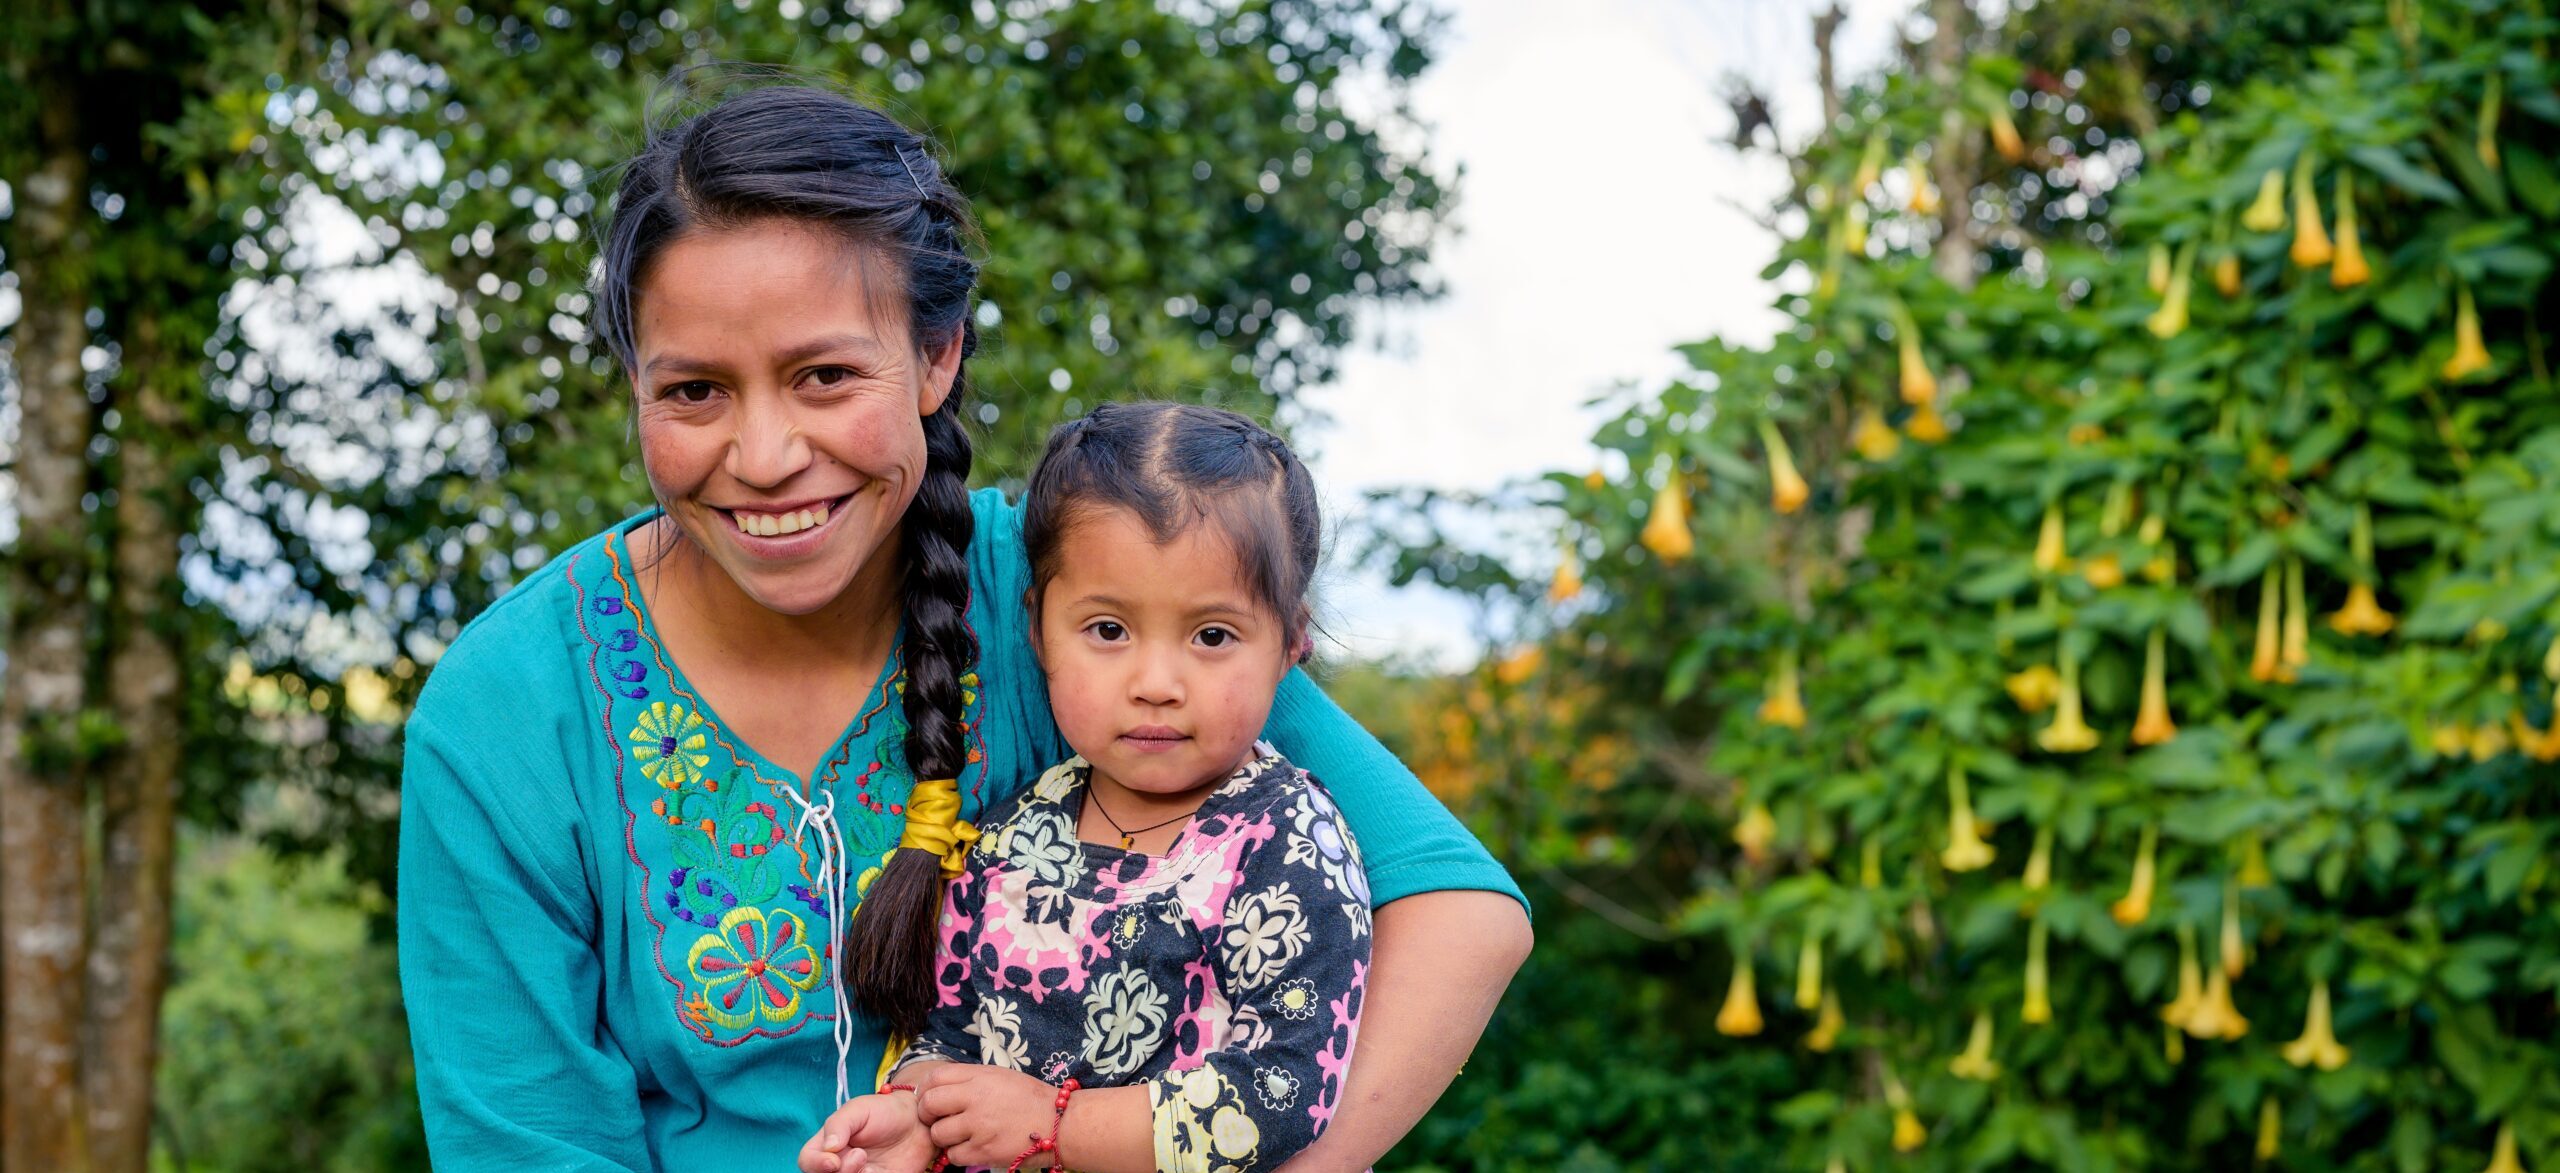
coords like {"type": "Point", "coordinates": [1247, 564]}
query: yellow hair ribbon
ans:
{"type": "Point", "coordinates": [934, 825]}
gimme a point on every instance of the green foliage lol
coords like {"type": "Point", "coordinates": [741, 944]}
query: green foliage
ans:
{"type": "Point", "coordinates": [283, 1042]}
{"type": "Point", "coordinates": [412, 413]}
{"type": "Point", "coordinates": [2124, 471]}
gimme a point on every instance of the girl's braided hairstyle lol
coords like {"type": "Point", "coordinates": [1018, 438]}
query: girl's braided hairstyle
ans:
{"type": "Point", "coordinates": [789, 152]}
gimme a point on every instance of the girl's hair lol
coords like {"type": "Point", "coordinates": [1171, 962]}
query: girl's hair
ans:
{"type": "Point", "coordinates": [795, 153]}
{"type": "Point", "coordinates": [1175, 465]}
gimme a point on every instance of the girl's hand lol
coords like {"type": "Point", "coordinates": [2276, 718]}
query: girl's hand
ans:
{"type": "Point", "coordinates": [872, 1134]}
{"type": "Point", "coordinates": [986, 1115]}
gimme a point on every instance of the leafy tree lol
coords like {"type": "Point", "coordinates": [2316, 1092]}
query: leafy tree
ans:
{"type": "Point", "coordinates": [2115, 735]}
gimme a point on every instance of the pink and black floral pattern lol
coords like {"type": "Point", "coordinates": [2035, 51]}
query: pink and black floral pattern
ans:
{"type": "Point", "coordinates": [1225, 974]}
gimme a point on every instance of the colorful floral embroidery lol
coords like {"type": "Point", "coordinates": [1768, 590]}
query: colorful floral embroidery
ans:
{"type": "Point", "coordinates": [669, 743]}
{"type": "Point", "coordinates": [755, 966]}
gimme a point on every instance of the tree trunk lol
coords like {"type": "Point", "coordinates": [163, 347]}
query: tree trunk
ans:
{"type": "Point", "coordinates": [138, 788]}
{"type": "Point", "coordinates": [1826, 26]}
{"type": "Point", "coordinates": [1952, 162]}
{"type": "Point", "coordinates": [42, 842]}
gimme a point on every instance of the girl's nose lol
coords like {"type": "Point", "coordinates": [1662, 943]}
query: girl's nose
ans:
{"type": "Point", "coordinates": [1158, 680]}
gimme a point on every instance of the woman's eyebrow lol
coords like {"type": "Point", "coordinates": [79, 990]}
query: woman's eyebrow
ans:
{"type": "Point", "coordinates": [860, 344]}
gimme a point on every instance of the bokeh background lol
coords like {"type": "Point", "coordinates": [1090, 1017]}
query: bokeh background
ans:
{"type": "Point", "coordinates": [1992, 565]}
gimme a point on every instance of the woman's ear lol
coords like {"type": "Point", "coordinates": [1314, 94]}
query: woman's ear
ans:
{"type": "Point", "coordinates": [941, 366]}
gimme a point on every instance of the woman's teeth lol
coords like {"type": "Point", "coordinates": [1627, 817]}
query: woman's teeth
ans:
{"type": "Point", "coordinates": [774, 525]}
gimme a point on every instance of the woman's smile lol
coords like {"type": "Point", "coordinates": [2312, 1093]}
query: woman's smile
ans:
{"type": "Point", "coordinates": [783, 530]}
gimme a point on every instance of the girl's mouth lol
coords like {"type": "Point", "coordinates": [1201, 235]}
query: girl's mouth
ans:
{"type": "Point", "coordinates": [1152, 738]}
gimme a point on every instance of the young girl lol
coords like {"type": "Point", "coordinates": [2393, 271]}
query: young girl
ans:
{"type": "Point", "coordinates": [1175, 910]}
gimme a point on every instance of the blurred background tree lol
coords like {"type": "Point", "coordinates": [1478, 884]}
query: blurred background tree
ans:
{"type": "Point", "coordinates": [304, 381]}
{"type": "Point", "coordinates": [2114, 727]}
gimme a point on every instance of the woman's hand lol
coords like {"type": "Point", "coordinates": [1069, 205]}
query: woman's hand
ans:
{"type": "Point", "coordinates": [986, 1115]}
{"type": "Point", "coordinates": [874, 1134]}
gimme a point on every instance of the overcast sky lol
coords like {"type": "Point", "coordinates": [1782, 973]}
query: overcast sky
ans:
{"type": "Point", "coordinates": [1602, 220]}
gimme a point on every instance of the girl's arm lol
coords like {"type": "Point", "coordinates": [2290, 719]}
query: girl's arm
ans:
{"type": "Point", "coordinates": [1439, 963]}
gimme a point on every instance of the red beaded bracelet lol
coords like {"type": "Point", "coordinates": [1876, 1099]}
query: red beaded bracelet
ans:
{"type": "Point", "coordinates": [1049, 1143]}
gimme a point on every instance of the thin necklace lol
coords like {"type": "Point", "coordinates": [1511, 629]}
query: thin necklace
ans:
{"type": "Point", "coordinates": [1128, 838]}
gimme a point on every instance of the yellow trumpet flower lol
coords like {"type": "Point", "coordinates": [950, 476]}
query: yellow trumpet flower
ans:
{"type": "Point", "coordinates": [2104, 572]}
{"type": "Point", "coordinates": [1835, 1165]}
{"type": "Point", "coordinates": [1924, 194]}
{"type": "Point", "coordinates": [2035, 688]}
{"type": "Point", "coordinates": [2551, 661]}
{"type": "Point", "coordinates": [1908, 1133]}
{"type": "Point", "coordinates": [2362, 615]}
{"type": "Point", "coordinates": [1666, 533]}
{"type": "Point", "coordinates": [1568, 579]}
{"type": "Point", "coordinates": [2152, 725]}
{"type": "Point", "coordinates": [1870, 165]}
{"type": "Point", "coordinates": [1976, 1062]}
{"type": "Point", "coordinates": [2485, 140]}
{"type": "Point", "coordinates": [1809, 971]}
{"type": "Point", "coordinates": [1919, 385]}
{"type": "Point", "coordinates": [2170, 319]}
{"type": "Point", "coordinates": [2297, 624]}
{"type": "Point", "coordinates": [2069, 733]}
{"type": "Point", "coordinates": [2318, 1046]}
{"type": "Point", "coordinates": [1754, 832]}
{"type": "Point", "coordinates": [1871, 863]}
{"type": "Point", "coordinates": [1926, 425]}
{"type": "Point", "coordinates": [2270, 1130]}
{"type": "Point", "coordinates": [2264, 662]}
{"type": "Point", "coordinates": [1593, 480]}
{"type": "Point", "coordinates": [2173, 1043]}
{"type": "Point", "coordinates": [2502, 1157]}
{"type": "Point", "coordinates": [2350, 269]}
{"type": "Point", "coordinates": [1826, 1025]}
{"type": "Point", "coordinates": [2488, 740]}
{"type": "Point", "coordinates": [2226, 274]}
{"type": "Point", "coordinates": [1740, 1017]}
{"type": "Point", "coordinates": [2135, 906]}
{"type": "Point", "coordinates": [2182, 1008]}
{"type": "Point", "coordinates": [1853, 229]}
{"type": "Point", "coordinates": [2163, 563]}
{"type": "Point", "coordinates": [1784, 705]}
{"type": "Point", "coordinates": [2216, 1017]}
{"type": "Point", "coordinates": [2234, 946]}
{"type": "Point", "coordinates": [2448, 738]}
{"type": "Point", "coordinates": [2156, 273]}
{"type": "Point", "coordinates": [2310, 241]}
{"type": "Point", "coordinates": [2470, 356]}
{"type": "Point", "coordinates": [1965, 849]}
{"type": "Point", "coordinates": [1872, 438]}
{"type": "Point", "coordinates": [2253, 863]}
{"type": "Point", "coordinates": [2004, 133]}
{"type": "Point", "coordinates": [2038, 1009]}
{"type": "Point", "coordinates": [1787, 488]}
{"type": "Point", "coordinates": [2050, 556]}
{"type": "Point", "coordinates": [2266, 213]}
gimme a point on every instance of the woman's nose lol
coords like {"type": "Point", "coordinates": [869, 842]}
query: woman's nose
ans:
{"type": "Point", "coordinates": [768, 448]}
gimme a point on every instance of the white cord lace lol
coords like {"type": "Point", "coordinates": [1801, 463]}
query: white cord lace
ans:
{"type": "Point", "coordinates": [831, 880]}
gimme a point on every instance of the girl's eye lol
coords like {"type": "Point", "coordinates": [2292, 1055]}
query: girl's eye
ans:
{"type": "Point", "coordinates": [1108, 632]}
{"type": "Point", "coordinates": [1216, 637]}
{"type": "Point", "coordinates": [693, 393]}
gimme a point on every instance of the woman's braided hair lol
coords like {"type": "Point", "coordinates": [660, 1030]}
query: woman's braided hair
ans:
{"type": "Point", "coordinates": [797, 153]}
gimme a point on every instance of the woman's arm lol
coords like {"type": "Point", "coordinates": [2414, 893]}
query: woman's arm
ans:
{"type": "Point", "coordinates": [1438, 966]}
{"type": "Point", "coordinates": [499, 966]}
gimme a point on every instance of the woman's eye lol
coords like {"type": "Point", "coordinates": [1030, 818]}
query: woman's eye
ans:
{"type": "Point", "coordinates": [1108, 632]}
{"type": "Point", "coordinates": [830, 376]}
{"type": "Point", "coordinates": [696, 392]}
{"type": "Point", "coordinates": [1216, 637]}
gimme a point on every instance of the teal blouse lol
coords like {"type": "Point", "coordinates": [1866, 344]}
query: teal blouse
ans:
{"type": "Point", "coordinates": [615, 946]}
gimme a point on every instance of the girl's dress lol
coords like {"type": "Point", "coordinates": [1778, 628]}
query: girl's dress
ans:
{"type": "Point", "coordinates": [1225, 975]}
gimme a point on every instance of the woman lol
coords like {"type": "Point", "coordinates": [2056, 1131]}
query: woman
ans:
{"type": "Point", "coordinates": [633, 785]}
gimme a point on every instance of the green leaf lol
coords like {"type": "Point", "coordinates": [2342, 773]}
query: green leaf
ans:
{"type": "Point", "coordinates": [2535, 183]}
{"type": "Point", "coordinates": [2396, 170]}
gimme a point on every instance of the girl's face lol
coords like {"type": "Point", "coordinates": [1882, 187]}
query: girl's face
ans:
{"type": "Point", "coordinates": [1161, 662]}
{"type": "Point", "coordinates": [781, 407]}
